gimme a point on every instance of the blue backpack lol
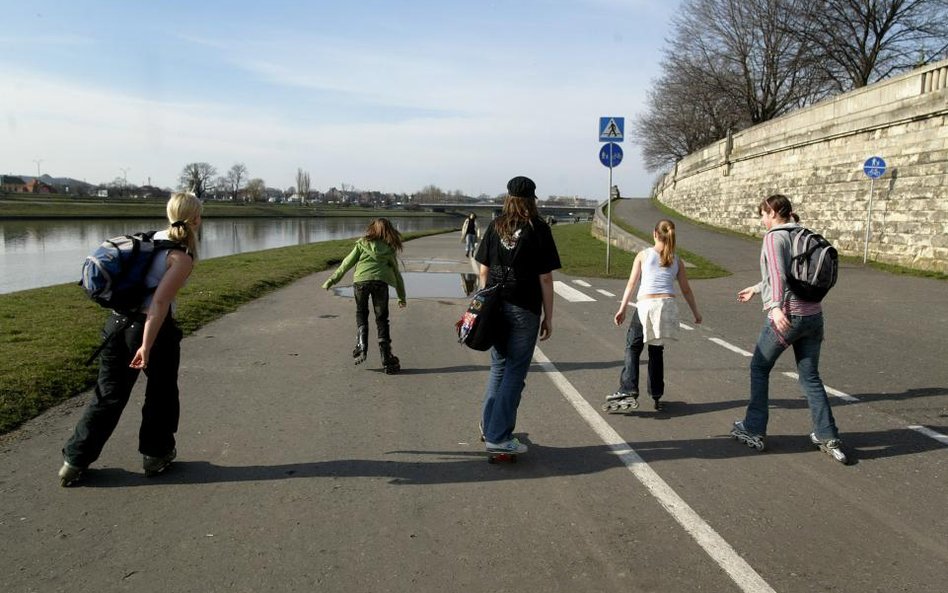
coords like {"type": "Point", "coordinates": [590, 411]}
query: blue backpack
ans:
{"type": "Point", "coordinates": [114, 274]}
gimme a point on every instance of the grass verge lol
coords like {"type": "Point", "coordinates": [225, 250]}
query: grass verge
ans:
{"type": "Point", "coordinates": [581, 254]}
{"type": "Point", "coordinates": [48, 333]}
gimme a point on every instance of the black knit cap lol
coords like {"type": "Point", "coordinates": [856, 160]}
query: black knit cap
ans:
{"type": "Point", "coordinates": [522, 187]}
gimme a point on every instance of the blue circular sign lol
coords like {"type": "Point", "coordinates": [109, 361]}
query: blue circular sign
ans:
{"type": "Point", "coordinates": [610, 154]}
{"type": "Point", "coordinates": [874, 167]}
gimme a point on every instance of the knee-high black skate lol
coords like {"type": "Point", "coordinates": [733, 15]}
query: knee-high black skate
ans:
{"type": "Point", "coordinates": [361, 350]}
{"type": "Point", "coordinates": [390, 363]}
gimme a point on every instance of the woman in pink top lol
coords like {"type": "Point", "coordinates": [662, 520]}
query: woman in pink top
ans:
{"type": "Point", "coordinates": [791, 322]}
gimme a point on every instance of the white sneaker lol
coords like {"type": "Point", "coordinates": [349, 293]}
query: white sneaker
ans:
{"type": "Point", "coordinates": [512, 446]}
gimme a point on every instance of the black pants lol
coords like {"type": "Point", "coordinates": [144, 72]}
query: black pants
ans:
{"type": "Point", "coordinates": [114, 386]}
{"type": "Point", "coordinates": [634, 344]}
{"type": "Point", "coordinates": [378, 290]}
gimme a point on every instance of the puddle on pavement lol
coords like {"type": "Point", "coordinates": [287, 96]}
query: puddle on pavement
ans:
{"type": "Point", "coordinates": [421, 285]}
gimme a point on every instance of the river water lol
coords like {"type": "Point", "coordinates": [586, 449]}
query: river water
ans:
{"type": "Point", "coordinates": [35, 253]}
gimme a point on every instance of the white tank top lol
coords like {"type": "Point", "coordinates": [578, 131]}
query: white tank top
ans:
{"type": "Point", "coordinates": [655, 278]}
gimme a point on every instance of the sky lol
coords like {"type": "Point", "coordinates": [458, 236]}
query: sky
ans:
{"type": "Point", "coordinates": [387, 95]}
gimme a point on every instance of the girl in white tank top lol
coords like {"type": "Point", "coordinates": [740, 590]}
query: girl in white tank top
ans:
{"type": "Point", "coordinates": [655, 318]}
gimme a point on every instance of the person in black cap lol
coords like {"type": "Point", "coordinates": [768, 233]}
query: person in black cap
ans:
{"type": "Point", "coordinates": [519, 243]}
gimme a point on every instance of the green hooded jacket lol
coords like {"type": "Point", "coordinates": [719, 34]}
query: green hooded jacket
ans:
{"type": "Point", "coordinates": [373, 260]}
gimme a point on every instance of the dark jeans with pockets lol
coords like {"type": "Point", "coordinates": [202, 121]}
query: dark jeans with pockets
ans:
{"type": "Point", "coordinates": [114, 386]}
{"type": "Point", "coordinates": [378, 291]}
{"type": "Point", "coordinates": [634, 344]}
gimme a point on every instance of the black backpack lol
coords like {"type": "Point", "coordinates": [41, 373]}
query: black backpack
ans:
{"type": "Point", "coordinates": [114, 274]}
{"type": "Point", "coordinates": [814, 264]}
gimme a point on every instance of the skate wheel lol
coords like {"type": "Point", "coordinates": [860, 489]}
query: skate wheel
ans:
{"type": "Point", "coordinates": [605, 407]}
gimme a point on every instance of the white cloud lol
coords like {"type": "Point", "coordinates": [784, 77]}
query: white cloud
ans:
{"type": "Point", "coordinates": [487, 131]}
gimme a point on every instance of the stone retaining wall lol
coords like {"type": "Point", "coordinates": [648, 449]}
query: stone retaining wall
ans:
{"type": "Point", "coordinates": [816, 155]}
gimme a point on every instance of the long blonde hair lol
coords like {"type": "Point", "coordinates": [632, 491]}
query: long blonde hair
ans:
{"type": "Point", "coordinates": [382, 230]}
{"type": "Point", "coordinates": [517, 212]}
{"type": "Point", "coordinates": [182, 210]}
{"type": "Point", "coordinates": [665, 231]}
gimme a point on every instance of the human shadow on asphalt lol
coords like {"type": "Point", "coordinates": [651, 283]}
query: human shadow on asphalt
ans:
{"type": "Point", "coordinates": [461, 368]}
{"type": "Point", "coordinates": [466, 368]}
{"type": "Point", "coordinates": [468, 463]}
{"type": "Point", "coordinates": [904, 395]}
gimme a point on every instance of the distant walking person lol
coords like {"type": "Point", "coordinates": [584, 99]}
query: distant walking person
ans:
{"type": "Point", "coordinates": [791, 322]}
{"type": "Point", "coordinates": [147, 340]}
{"type": "Point", "coordinates": [376, 268]}
{"type": "Point", "coordinates": [518, 250]}
{"type": "Point", "coordinates": [655, 318]}
{"type": "Point", "coordinates": [470, 233]}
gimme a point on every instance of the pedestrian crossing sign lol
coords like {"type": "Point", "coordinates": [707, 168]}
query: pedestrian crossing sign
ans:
{"type": "Point", "coordinates": [611, 129]}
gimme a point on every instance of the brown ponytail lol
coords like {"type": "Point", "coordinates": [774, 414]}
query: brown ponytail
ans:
{"type": "Point", "coordinates": [665, 231]}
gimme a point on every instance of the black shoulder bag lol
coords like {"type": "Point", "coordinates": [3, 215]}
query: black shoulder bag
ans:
{"type": "Point", "coordinates": [480, 327]}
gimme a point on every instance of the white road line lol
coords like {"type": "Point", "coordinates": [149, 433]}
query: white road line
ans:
{"type": "Point", "coordinates": [943, 439]}
{"type": "Point", "coordinates": [569, 293]}
{"type": "Point", "coordinates": [713, 544]}
{"type": "Point", "coordinates": [731, 347]}
{"type": "Point", "coordinates": [582, 283]}
{"type": "Point", "coordinates": [605, 293]}
{"type": "Point", "coordinates": [683, 326]}
{"type": "Point", "coordinates": [829, 390]}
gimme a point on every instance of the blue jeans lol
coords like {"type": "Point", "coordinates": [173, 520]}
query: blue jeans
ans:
{"type": "Point", "coordinates": [806, 338]}
{"type": "Point", "coordinates": [469, 243]}
{"type": "Point", "coordinates": [508, 369]}
{"type": "Point", "coordinates": [634, 344]}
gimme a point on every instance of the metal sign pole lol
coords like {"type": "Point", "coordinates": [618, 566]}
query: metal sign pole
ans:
{"type": "Point", "coordinates": [865, 252]}
{"type": "Point", "coordinates": [609, 212]}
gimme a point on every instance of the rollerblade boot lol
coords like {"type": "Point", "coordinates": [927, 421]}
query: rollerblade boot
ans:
{"type": "Point", "coordinates": [621, 401]}
{"type": "Point", "coordinates": [69, 474]}
{"type": "Point", "coordinates": [832, 447]}
{"type": "Point", "coordinates": [155, 465]}
{"type": "Point", "coordinates": [754, 441]}
{"type": "Point", "coordinates": [361, 350]}
{"type": "Point", "coordinates": [390, 363]}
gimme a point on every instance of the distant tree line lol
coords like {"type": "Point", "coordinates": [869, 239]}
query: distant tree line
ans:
{"type": "Point", "coordinates": [731, 64]}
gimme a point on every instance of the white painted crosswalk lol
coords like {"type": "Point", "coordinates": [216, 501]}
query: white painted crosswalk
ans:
{"type": "Point", "coordinates": [569, 293]}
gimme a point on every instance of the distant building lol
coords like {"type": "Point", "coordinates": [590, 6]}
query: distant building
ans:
{"type": "Point", "coordinates": [35, 186]}
{"type": "Point", "coordinates": [12, 184]}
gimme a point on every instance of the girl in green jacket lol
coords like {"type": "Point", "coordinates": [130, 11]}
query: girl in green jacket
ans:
{"type": "Point", "coordinates": [376, 268]}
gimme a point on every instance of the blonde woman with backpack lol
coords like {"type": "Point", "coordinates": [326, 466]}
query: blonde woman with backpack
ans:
{"type": "Point", "coordinates": [791, 322]}
{"type": "Point", "coordinates": [147, 339]}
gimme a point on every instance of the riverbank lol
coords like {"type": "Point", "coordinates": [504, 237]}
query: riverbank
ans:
{"type": "Point", "coordinates": [16, 207]}
{"type": "Point", "coordinates": [50, 332]}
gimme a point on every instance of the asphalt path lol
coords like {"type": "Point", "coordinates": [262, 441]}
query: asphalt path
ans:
{"type": "Point", "coordinates": [298, 471]}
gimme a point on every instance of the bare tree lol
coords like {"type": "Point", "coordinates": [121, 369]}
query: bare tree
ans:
{"type": "Point", "coordinates": [747, 52]}
{"type": "Point", "coordinates": [235, 176]}
{"type": "Point", "coordinates": [684, 112]}
{"type": "Point", "coordinates": [866, 41]}
{"type": "Point", "coordinates": [195, 176]}
{"type": "Point", "coordinates": [302, 184]}
{"type": "Point", "coordinates": [256, 190]}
